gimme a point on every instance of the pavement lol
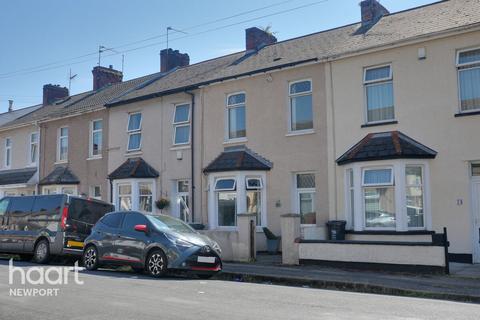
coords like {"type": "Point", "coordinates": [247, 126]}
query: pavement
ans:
{"type": "Point", "coordinates": [463, 284]}
{"type": "Point", "coordinates": [126, 295]}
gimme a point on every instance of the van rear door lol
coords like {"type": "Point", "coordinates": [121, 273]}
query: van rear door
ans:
{"type": "Point", "coordinates": [17, 232]}
{"type": "Point", "coordinates": [82, 216]}
{"type": "Point", "coordinates": [3, 221]}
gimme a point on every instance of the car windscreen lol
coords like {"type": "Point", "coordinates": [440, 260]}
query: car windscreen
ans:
{"type": "Point", "coordinates": [166, 223]}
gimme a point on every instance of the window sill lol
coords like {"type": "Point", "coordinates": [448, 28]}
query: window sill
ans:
{"type": "Point", "coordinates": [234, 141]}
{"type": "Point", "coordinates": [180, 147]}
{"type": "Point", "coordinates": [466, 114]}
{"type": "Point", "coordinates": [391, 232]}
{"type": "Point", "coordinates": [300, 133]}
{"type": "Point", "coordinates": [61, 162]}
{"type": "Point", "coordinates": [375, 124]}
{"type": "Point", "coordinates": [133, 153]}
{"type": "Point", "coordinates": [94, 158]}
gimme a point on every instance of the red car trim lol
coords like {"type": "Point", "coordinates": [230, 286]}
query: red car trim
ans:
{"type": "Point", "coordinates": [217, 268]}
{"type": "Point", "coordinates": [119, 259]}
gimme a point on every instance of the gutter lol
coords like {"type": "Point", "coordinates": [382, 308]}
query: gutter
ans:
{"type": "Point", "coordinates": [192, 152]}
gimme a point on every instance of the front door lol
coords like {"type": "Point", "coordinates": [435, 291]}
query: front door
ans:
{"type": "Point", "coordinates": [476, 219]}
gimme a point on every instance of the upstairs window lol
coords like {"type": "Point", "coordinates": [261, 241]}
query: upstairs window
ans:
{"type": "Point", "coordinates": [301, 110]}
{"type": "Point", "coordinates": [33, 148]}
{"type": "Point", "coordinates": [134, 131]}
{"type": "Point", "coordinates": [8, 152]}
{"type": "Point", "coordinates": [468, 64]}
{"type": "Point", "coordinates": [236, 116]}
{"type": "Point", "coordinates": [62, 146]}
{"type": "Point", "coordinates": [378, 84]}
{"type": "Point", "coordinates": [96, 136]}
{"type": "Point", "coordinates": [181, 124]}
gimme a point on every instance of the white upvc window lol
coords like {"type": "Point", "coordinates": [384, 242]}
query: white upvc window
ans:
{"type": "Point", "coordinates": [181, 124]}
{"type": "Point", "coordinates": [96, 138]}
{"type": "Point", "coordinates": [96, 192]}
{"type": "Point", "coordinates": [60, 189]}
{"type": "Point", "coordinates": [379, 198]}
{"type": "Point", "coordinates": [135, 194]}
{"type": "Point", "coordinates": [301, 106]}
{"type": "Point", "coordinates": [232, 194]}
{"type": "Point", "coordinates": [182, 200]}
{"type": "Point", "coordinates": [390, 197]}
{"type": "Point", "coordinates": [379, 98]}
{"type": "Point", "coordinates": [468, 65]}
{"type": "Point", "coordinates": [134, 131]}
{"type": "Point", "coordinates": [33, 151]}
{"type": "Point", "coordinates": [236, 117]}
{"type": "Point", "coordinates": [62, 144]}
{"type": "Point", "coordinates": [8, 152]}
{"type": "Point", "coordinates": [305, 194]}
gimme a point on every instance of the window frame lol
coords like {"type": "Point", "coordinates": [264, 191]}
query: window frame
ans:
{"type": "Point", "coordinates": [290, 114]}
{"type": "Point", "coordinates": [92, 192]}
{"type": "Point", "coordinates": [186, 123]}
{"type": "Point", "coordinates": [422, 186]}
{"type": "Point", "coordinates": [59, 139]}
{"type": "Point", "coordinates": [7, 155]}
{"type": "Point", "coordinates": [135, 192]}
{"type": "Point", "coordinates": [370, 83]}
{"type": "Point", "coordinates": [462, 67]}
{"type": "Point", "coordinates": [182, 194]}
{"type": "Point", "coordinates": [92, 133]}
{"type": "Point", "coordinates": [30, 144]}
{"type": "Point", "coordinates": [298, 191]}
{"type": "Point", "coordinates": [234, 187]}
{"type": "Point", "coordinates": [134, 131]}
{"type": "Point", "coordinates": [386, 184]}
{"type": "Point", "coordinates": [227, 116]}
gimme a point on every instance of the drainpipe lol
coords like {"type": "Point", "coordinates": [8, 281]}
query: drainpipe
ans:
{"type": "Point", "coordinates": [192, 150]}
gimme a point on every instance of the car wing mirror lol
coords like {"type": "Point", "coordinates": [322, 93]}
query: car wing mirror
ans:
{"type": "Point", "coordinates": [141, 228]}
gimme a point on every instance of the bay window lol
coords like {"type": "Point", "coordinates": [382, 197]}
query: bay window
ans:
{"type": "Point", "coordinates": [468, 64]}
{"type": "Point", "coordinates": [378, 82]}
{"type": "Point", "coordinates": [301, 109]}
{"type": "Point", "coordinates": [134, 130]}
{"type": "Point", "coordinates": [181, 124]}
{"type": "Point", "coordinates": [134, 194]}
{"type": "Point", "coordinates": [236, 116]}
{"type": "Point", "coordinates": [390, 197]}
{"type": "Point", "coordinates": [230, 195]}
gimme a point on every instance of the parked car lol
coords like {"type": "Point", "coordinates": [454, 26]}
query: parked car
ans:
{"type": "Point", "coordinates": [151, 243]}
{"type": "Point", "coordinates": [42, 226]}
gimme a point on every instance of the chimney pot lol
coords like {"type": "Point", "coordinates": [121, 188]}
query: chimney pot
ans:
{"type": "Point", "coordinates": [255, 38]}
{"type": "Point", "coordinates": [53, 92]}
{"type": "Point", "coordinates": [105, 76]}
{"type": "Point", "coordinates": [170, 59]}
{"type": "Point", "coordinates": [10, 105]}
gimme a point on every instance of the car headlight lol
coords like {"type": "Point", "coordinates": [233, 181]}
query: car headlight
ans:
{"type": "Point", "coordinates": [179, 242]}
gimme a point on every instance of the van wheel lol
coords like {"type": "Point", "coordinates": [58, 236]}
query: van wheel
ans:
{"type": "Point", "coordinates": [41, 253]}
{"type": "Point", "coordinates": [156, 265]}
{"type": "Point", "coordinates": [90, 258]}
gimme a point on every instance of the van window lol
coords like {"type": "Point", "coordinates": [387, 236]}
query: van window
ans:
{"type": "Point", "coordinates": [112, 220]}
{"type": "Point", "coordinates": [87, 211]}
{"type": "Point", "coordinates": [47, 205]}
{"type": "Point", "coordinates": [21, 205]}
{"type": "Point", "coordinates": [4, 205]}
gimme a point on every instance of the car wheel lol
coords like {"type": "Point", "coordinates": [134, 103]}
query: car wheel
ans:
{"type": "Point", "coordinates": [156, 265]}
{"type": "Point", "coordinates": [41, 253]}
{"type": "Point", "coordinates": [90, 258]}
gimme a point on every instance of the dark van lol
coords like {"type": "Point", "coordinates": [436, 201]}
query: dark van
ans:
{"type": "Point", "coordinates": [42, 226]}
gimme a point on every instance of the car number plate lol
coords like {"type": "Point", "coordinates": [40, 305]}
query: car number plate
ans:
{"type": "Point", "coordinates": [206, 259]}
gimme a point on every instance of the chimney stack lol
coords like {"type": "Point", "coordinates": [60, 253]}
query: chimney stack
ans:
{"type": "Point", "coordinates": [170, 59]}
{"type": "Point", "coordinates": [372, 11]}
{"type": "Point", "coordinates": [53, 92]}
{"type": "Point", "coordinates": [10, 105]}
{"type": "Point", "coordinates": [105, 76]}
{"type": "Point", "coordinates": [256, 38]}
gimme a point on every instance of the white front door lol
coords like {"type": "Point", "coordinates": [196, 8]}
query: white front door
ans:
{"type": "Point", "coordinates": [476, 219]}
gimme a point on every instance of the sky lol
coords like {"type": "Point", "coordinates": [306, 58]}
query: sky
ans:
{"type": "Point", "coordinates": [41, 41]}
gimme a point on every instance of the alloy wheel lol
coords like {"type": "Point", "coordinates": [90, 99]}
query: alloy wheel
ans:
{"type": "Point", "coordinates": [90, 258]}
{"type": "Point", "coordinates": [156, 264]}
